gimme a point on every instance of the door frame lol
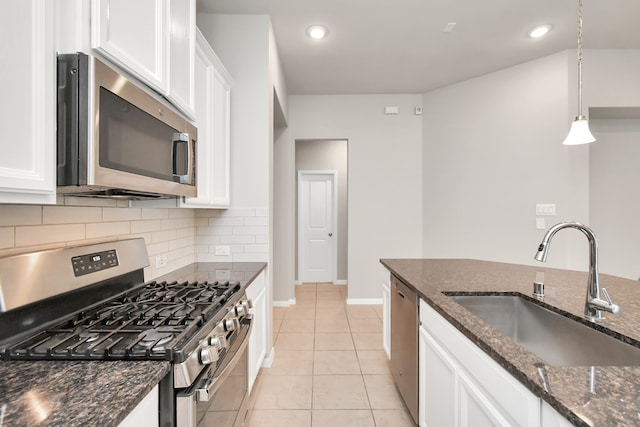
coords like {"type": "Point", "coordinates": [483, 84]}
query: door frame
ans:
{"type": "Point", "coordinates": [334, 213]}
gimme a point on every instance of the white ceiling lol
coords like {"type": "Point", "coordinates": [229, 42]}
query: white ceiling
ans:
{"type": "Point", "coordinates": [398, 46]}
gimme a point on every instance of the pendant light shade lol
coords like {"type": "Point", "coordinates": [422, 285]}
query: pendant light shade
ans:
{"type": "Point", "coordinates": [579, 132]}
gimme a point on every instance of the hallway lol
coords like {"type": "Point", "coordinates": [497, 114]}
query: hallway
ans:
{"type": "Point", "coordinates": [329, 368]}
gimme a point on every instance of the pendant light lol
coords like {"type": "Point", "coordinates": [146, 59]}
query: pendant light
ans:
{"type": "Point", "coordinates": [579, 132]}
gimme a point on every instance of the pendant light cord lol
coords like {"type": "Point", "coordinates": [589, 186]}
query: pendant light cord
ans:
{"type": "Point", "coordinates": [580, 58]}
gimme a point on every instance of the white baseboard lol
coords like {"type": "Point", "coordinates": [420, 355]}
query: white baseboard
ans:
{"type": "Point", "coordinates": [298, 282]}
{"type": "Point", "coordinates": [339, 282]}
{"type": "Point", "coordinates": [364, 301]}
{"type": "Point", "coordinates": [268, 360]}
{"type": "Point", "coordinates": [287, 303]}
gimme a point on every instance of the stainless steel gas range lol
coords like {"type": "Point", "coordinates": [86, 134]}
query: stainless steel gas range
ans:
{"type": "Point", "coordinates": [92, 303]}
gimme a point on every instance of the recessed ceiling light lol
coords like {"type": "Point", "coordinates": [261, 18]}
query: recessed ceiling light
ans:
{"type": "Point", "coordinates": [540, 31]}
{"type": "Point", "coordinates": [317, 32]}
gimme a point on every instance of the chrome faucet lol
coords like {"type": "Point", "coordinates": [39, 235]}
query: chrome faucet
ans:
{"type": "Point", "coordinates": [594, 305]}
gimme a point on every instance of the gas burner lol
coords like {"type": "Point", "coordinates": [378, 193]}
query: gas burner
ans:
{"type": "Point", "coordinates": [177, 311]}
{"type": "Point", "coordinates": [155, 338]}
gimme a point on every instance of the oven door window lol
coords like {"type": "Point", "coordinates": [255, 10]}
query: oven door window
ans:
{"type": "Point", "coordinates": [131, 140]}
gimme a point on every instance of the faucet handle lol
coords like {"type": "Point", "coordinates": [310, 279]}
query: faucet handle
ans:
{"type": "Point", "coordinates": [615, 309]}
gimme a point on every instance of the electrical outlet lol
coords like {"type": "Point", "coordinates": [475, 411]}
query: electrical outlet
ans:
{"type": "Point", "coordinates": [223, 251]}
{"type": "Point", "coordinates": [161, 261]}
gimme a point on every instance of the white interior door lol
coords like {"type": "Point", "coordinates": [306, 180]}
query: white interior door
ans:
{"type": "Point", "coordinates": [317, 215]}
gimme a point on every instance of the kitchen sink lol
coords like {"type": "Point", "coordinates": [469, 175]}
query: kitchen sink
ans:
{"type": "Point", "coordinates": [558, 340]}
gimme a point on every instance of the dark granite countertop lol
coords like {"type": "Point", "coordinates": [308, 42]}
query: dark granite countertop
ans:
{"type": "Point", "coordinates": [94, 393]}
{"type": "Point", "coordinates": [586, 396]}
{"type": "Point", "coordinates": [74, 393]}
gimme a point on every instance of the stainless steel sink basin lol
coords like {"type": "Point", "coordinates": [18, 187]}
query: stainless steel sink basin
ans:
{"type": "Point", "coordinates": [558, 340]}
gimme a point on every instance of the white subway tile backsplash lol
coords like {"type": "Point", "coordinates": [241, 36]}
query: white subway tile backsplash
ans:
{"type": "Point", "coordinates": [154, 213]}
{"type": "Point", "coordinates": [207, 213]}
{"type": "Point", "coordinates": [183, 235]}
{"type": "Point", "coordinates": [107, 229]}
{"type": "Point", "coordinates": [257, 249]}
{"type": "Point", "coordinates": [146, 226]}
{"type": "Point", "coordinates": [207, 240]}
{"type": "Point", "coordinates": [241, 212]}
{"type": "Point", "coordinates": [180, 213]}
{"type": "Point", "coordinates": [226, 221]}
{"type": "Point", "coordinates": [242, 230]}
{"type": "Point", "coordinates": [163, 236]}
{"type": "Point", "coordinates": [154, 249]}
{"type": "Point", "coordinates": [245, 239]}
{"type": "Point", "coordinates": [44, 234]}
{"type": "Point", "coordinates": [119, 214]}
{"type": "Point", "coordinates": [12, 215]}
{"type": "Point", "coordinates": [258, 220]}
{"type": "Point", "coordinates": [70, 214]}
{"type": "Point", "coordinates": [251, 230]}
{"type": "Point", "coordinates": [214, 231]}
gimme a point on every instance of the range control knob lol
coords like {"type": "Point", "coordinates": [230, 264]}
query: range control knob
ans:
{"type": "Point", "coordinates": [241, 310]}
{"type": "Point", "coordinates": [247, 303]}
{"type": "Point", "coordinates": [218, 342]}
{"type": "Point", "coordinates": [231, 324]}
{"type": "Point", "coordinates": [208, 355]}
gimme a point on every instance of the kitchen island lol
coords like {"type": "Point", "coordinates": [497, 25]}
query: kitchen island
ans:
{"type": "Point", "coordinates": [600, 396]}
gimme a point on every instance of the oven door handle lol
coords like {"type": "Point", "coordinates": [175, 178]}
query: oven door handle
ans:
{"type": "Point", "coordinates": [209, 388]}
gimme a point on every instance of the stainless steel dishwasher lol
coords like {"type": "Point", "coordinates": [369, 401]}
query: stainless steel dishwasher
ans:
{"type": "Point", "coordinates": [404, 343]}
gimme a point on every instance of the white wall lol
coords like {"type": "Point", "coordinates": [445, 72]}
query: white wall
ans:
{"type": "Point", "coordinates": [492, 150]}
{"type": "Point", "coordinates": [611, 80]}
{"type": "Point", "coordinates": [385, 211]}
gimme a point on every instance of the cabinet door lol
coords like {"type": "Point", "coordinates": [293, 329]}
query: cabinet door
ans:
{"type": "Point", "coordinates": [182, 39]}
{"type": "Point", "coordinates": [475, 409]}
{"type": "Point", "coordinates": [212, 112]}
{"type": "Point", "coordinates": [134, 34]}
{"type": "Point", "coordinates": [436, 384]}
{"type": "Point", "coordinates": [257, 292]}
{"type": "Point", "coordinates": [28, 70]}
{"type": "Point", "coordinates": [145, 414]}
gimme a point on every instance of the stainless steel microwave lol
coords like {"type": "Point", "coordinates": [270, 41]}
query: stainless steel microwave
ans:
{"type": "Point", "coordinates": [117, 140]}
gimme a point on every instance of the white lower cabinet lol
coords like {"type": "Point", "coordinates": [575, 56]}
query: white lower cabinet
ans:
{"type": "Point", "coordinates": [257, 292]}
{"type": "Point", "coordinates": [460, 385]}
{"type": "Point", "coordinates": [386, 313]}
{"type": "Point", "coordinates": [145, 414]}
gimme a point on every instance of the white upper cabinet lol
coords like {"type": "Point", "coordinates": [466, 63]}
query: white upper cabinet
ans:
{"type": "Point", "coordinates": [182, 40]}
{"type": "Point", "coordinates": [28, 70]}
{"type": "Point", "coordinates": [212, 112]}
{"type": "Point", "coordinates": [152, 39]}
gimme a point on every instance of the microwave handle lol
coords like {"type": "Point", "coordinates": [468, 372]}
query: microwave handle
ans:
{"type": "Point", "coordinates": [182, 138]}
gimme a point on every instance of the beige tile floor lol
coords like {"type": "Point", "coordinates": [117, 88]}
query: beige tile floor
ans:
{"type": "Point", "coordinates": [329, 369]}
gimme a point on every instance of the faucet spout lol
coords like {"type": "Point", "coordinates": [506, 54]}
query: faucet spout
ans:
{"type": "Point", "coordinates": [594, 305]}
